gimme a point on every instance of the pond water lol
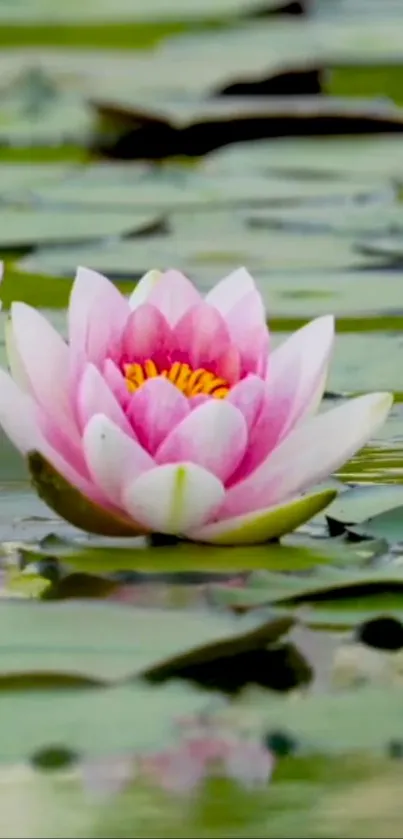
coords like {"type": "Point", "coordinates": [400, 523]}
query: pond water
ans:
{"type": "Point", "coordinates": [206, 136]}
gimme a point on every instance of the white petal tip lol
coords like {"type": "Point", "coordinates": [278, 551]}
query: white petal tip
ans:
{"type": "Point", "coordinates": [174, 498]}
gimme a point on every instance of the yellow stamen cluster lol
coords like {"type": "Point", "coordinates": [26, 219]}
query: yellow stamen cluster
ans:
{"type": "Point", "coordinates": [190, 382]}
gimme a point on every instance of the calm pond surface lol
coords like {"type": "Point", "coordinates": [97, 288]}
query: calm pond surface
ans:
{"type": "Point", "coordinates": [208, 135]}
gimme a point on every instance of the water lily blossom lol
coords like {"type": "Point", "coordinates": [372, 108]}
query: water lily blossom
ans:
{"type": "Point", "coordinates": [168, 412]}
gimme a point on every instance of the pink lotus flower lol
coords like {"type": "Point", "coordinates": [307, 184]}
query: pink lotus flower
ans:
{"type": "Point", "coordinates": [167, 413]}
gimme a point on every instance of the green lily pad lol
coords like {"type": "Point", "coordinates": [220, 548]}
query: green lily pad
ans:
{"type": "Point", "coordinates": [176, 188]}
{"type": "Point", "coordinates": [346, 721]}
{"type": "Point", "coordinates": [108, 557]}
{"type": "Point", "coordinates": [18, 178]}
{"type": "Point", "coordinates": [93, 722]}
{"type": "Point", "coordinates": [358, 157]}
{"type": "Point", "coordinates": [360, 503]}
{"type": "Point", "coordinates": [357, 219]}
{"type": "Point", "coordinates": [388, 524]}
{"type": "Point", "coordinates": [27, 227]}
{"type": "Point", "coordinates": [260, 251]}
{"type": "Point", "coordinates": [350, 612]}
{"type": "Point", "coordinates": [69, 638]}
{"type": "Point", "coordinates": [102, 11]}
{"type": "Point", "coordinates": [329, 596]}
{"type": "Point", "coordinates": [389, 247]}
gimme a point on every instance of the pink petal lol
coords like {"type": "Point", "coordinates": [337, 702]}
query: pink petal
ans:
{"type": "Point", "coordinates": [116, 382]}
{"type": "Point", "coordinates": [45, 359]}
{"type": "Point", "coordinates": [96, 318]}
{"type": "Point", "coordinates": [114, 459]}
{"type": "Point", "coordinates": [230, 290]}
{"type": "Point", "coordinates": [18, 415]}
{"type": "Point", "coordinates": [199, 399]}
{"type": "Point", "coordinates": [95, 397]}
{"type": "Point", "coordinates": [228, 365]}
{"type": "Point", "coordinates": [62, 442]}
{"type": "Point", "coordinates": [201, 337]}
{"type": "Point", "coordinates": [147, 335]}
{"type": "Point", "coordinates": [309, 454]}
{"type": "Point", "coordinates": [277, 401]}
{"type": "Point", "coordinates": [246, 321]}
{"type": "Point", "coordinates": [310, 349]}
{"type": "Point", "coordinates": [248, 396]}
{"type": "Point", "coordinates": [19, 420]}
{"type": "Point", "coordinates": [213, 436]}
{"type": "Point", "coordinates": [173, 295]}
{"type": "Point", "coordinates": [156, 408]}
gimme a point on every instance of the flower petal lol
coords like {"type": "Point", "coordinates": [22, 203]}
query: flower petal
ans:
{"type": "Point", "coordinates": [15, 363]}
{"type": "Point", "coordinates": [313, 451]}
{"type": "Point", "coordinates": [73, 504]}
{"type": "Point", "coordinates": [173, 295]}
{"type": "Point", "coordinates": [248, 396]}
{"type": "Point", "coordinates": [230, 290]}
{"type": "Point", "coordinates": [214, 436]}
{"type": "Point", "coordinates": [201, 336]}
{"type": "Point", "coordinates": [21, 421]}
{"type": "Point", "coordinates": [156, 408]}
{"type": "Point", "coordinates": [18, 415]}
{"type": "Point", "coordinates": [261, 526]}
{"type": "Point", "coordinates": [246, 321]}
{"type": "Point", "coordinates": [45, 359]}
{"type": "Point", "coordinates": [174, 498]}
{"type": "Point", "coordinates": [276, 404]}
{"type": "Point", "coordinates": [144, 287]}
{"type": "Point", "coordinates": [69, 448]}
{"type": "Point", "coordinates": [96, 318]}
{"type": "Point", "coordinates": [113, 458]}
{"type": "Point", "coordinates": [95, 397]}
{"type": "Point", "coordinates": [116, 382]}
{"type": "Point", "coordinates": [199, 399]}
{"type": "Point", "coordinates": [147, 335]}
{"type": "Point", "coordinates": [309, 347]}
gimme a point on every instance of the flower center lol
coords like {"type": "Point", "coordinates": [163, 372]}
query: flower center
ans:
{"type": "Point", "coordinates": [190, 382]}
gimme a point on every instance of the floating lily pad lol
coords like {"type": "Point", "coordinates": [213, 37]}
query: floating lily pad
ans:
{"type": "Point", "coordinates": [93, 722]}
{"type": "Point", "coordinates": [136, 132]}
{"type": "Point", "coordinates": [172, 187]}
{"type": "Point", "coordinates": [15, 177]}
{"type": "Point", "coordinates": [361, 503]}
{"type": "Point", "coordinates": [357, 157]}
{"type": "Point", "coordinates": [281, 252]}
{"type": "Point", "coordinates": [366, 718]}
{"type": "Point", "coordinates": [390, 247]}
{"type": "Point", "coordinates": [358, 219]}
{"type": "Point", "coordinates": [68, 638]}
{"type": "Point", "coordinates": [388, 523]}
{"type": "Point", "coordinates": [28, 227]}
{"type": "Point", "coordinates": [126, 10]}
{"type": "Point", "coordinates": [329, 597]}
{"type": "Point", "coordinates": [107, 557]}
